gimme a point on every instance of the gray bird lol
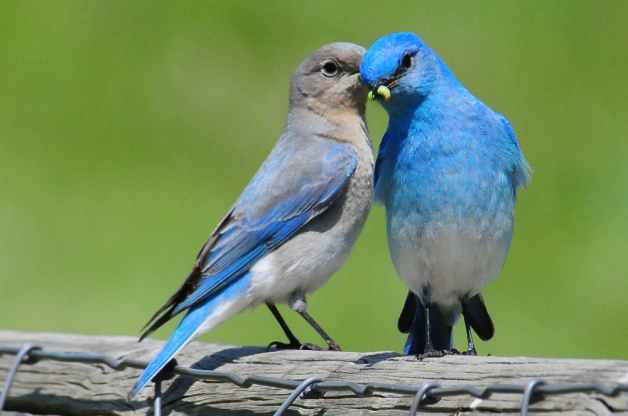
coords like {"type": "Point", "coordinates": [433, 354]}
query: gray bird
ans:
{"type": "Point", "coordinates": [295, 223]}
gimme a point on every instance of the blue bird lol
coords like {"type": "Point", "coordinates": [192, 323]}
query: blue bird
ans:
{"type": "Point", "coordinates": [448, 171]}
{"type": "Point", "coordinates": [296, 221]}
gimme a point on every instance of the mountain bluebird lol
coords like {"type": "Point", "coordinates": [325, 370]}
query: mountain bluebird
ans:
{"type": "Point", "coordinates": [296, 221]}
{"type": "Point", "coordinates": [448, 171]}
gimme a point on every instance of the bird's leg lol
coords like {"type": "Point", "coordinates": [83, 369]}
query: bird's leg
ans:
{"type": "Point", "coordinates": [429, 350]}
{"type": "Point", "coordinates": [299, 305]}
{"type": "Point", "coordinates": [331, 344]}
{"type": "Point", "coordinates": [294, 343]}
{"type": "Point", "coordinates": [470, 344]}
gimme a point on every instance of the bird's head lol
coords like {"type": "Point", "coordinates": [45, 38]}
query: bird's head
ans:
{"type": "Point", "coordinates": [399, 69]}
{"type": "Point", "coordinates": [329, 80]}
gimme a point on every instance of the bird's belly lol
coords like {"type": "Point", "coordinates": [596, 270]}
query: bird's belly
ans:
{"type": "Point", "coordinates": [297, 267]}
{"type": "Point", "coordinates": [450, 230]}
{"type": "Point", "coordinates": [449, 261]}
{"type": "Point", "coordinates": [305, 262]}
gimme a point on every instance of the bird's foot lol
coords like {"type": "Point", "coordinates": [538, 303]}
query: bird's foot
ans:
{"type": "Point", "coordinates": [430, 354]}
{"type": "Point", "coordinates": [437, 354]}
{"type": "Point", "coordinates": [280, 346]}
{"type": "Point", "coordinates": [332, 346]}
{"type": "Point", "coordinates": [310, 347]}
{"type": "Point", "coordinates": [470, 351]}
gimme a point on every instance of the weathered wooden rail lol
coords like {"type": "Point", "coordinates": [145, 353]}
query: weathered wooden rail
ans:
{"type": "Point", "coordinates": [62, 388]}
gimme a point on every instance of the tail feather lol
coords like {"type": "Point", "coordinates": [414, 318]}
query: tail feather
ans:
{"type": "Point", "coordinates": [204, 316]}
{"type": "Point", "coordinates": [407, 314]}
{"type": "Point", "coordinates": [440, 331]}
{"type": "Point", "coordinates": [181, 336]}
{"type": "Point", "coordinates": [477, 316]}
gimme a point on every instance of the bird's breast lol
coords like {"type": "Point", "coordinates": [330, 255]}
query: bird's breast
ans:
{"type": "Point", "coordinates": [449, 223]}
{"type": "Point", "coordinates": [307, 260]}
{"type": "Point", "coordinates": [463, 188]}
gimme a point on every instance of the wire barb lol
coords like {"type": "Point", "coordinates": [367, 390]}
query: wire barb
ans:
{"type": "Point", "coordinates": [422, 394]}
{"type": "Point", "coordinates": [305, 384]}
{"type": "Point", "coordinates": [528, 395]}
{"type": "Point", "coordinates": [536, 389]}
{"type": "Point", "coordinates": [21, 357]}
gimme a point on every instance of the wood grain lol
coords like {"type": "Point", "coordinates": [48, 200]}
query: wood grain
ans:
{"type": "Point", "coordinates": [57, 388]}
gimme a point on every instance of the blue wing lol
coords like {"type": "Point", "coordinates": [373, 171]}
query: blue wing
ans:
{"type": "Point", "coordinates": [186, 329]}
{"type": "Point", "coordinates": [298, 181]}
{"type": "Point", "coordinates": [521, 171]}
{"type": "Point", "coordinates": [383, 157]}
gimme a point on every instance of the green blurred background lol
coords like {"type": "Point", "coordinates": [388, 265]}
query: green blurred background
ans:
{"type": "Point", "coordinates": [127, 128]}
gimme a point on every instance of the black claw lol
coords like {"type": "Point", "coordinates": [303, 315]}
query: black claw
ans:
{"type": "Point", "coordinates": [430, 354]}
{"type": "Point", "coordinates": [437, 354]}
{"type": "Point", "coordinates": [307, 346]}
{"type": "Point", "coordinates": [279, 346]}
{"type": "Point", "coordinates": [334, 347]}
{"type": "Point", "coordinates": [471, 352]}
{"type": "Point", "coordinates": [310, 347]}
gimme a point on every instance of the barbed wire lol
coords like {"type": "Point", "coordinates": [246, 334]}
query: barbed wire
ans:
{"type": "Point", "coordinates": [424, 394]}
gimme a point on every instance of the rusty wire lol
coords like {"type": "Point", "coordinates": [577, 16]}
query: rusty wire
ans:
{"type": "Point", "coordinates": [424, 394]}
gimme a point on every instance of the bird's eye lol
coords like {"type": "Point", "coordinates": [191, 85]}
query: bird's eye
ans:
{"type": "Point", "coordinates": [330, 69]}
{"type": "Point", "coordinates": [406, 61]}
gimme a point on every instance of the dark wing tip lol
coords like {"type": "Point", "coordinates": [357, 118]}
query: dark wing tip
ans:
{"type": "Point", "coordinates": [165, 312]}
{"type": "Point", "coordinates": [476, 313]}
{"type": "Point", "coordinates": [160, 318]}
{"type": "Point", "coordinates": [404, 323]}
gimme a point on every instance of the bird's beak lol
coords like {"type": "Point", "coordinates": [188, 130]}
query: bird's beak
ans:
{"type": "Point", "coordinates": [381, 91]}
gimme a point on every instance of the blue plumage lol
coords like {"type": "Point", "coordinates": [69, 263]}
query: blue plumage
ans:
{"type": "Point", "coordinates": [295, 222]}
{"type": "Point", "coordinates": [262, 219]}
{"type": "Point", "coordinates": [269, 211]}
{"type": "Point", "coordinates": [448, 171]}
{"type": "Point", "coordinates": [187, 328]}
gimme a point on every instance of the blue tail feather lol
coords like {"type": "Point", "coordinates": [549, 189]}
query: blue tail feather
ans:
{"type": "Point", "coordinates": [186, 330]}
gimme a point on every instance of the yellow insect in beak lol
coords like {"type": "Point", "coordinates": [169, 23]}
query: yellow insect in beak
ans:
{"type": "Point", "coordinates": [382, 91]}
